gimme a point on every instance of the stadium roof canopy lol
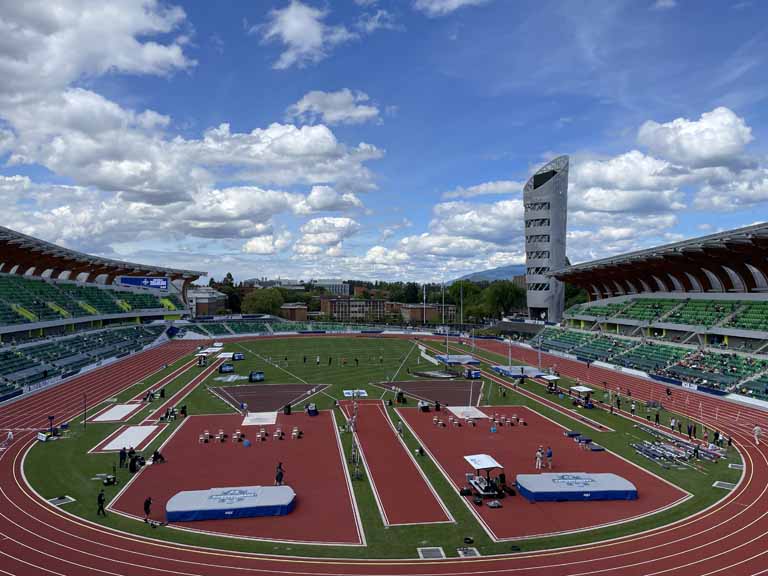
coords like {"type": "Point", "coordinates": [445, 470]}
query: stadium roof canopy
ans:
{"type": "Point", "coordinates": [733, 261]}
{"type": "Point", "coordinates": [22, 254]}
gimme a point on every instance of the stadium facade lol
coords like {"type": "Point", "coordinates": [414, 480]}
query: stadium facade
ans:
{"type": "Point", "coordinates": [546, 207]}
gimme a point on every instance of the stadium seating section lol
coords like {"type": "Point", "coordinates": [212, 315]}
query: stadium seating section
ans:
{"type": "Point", "coordinates": [692, 312]}
{"type": "Point", "coordinates": [33, 363]}
{"type": "Point", "coordinates": [757, 387]}
{"type": "Point", "coordinates": [718, 369]}
{"type": "Point", "coordinates": [647, 309]}
{"type": "Point", "coordinates": [752, 316]}
{"type": "Point", "coordinates": [651, 357]}
{"type": "Point", "coordinates": [248, 327]}
{"type": "Point", "coordinates": [603, 311]}
{"type": "Point", "coordinates": [213, 328]}
{"type": "Point", "coordinates": [702, 312]}
{"type": "Point", "coordinates": [562, 340]}
{"type": "Point", "coordinates": [24, 300]}
{"type": "Point", "coordinates": [602, 348]}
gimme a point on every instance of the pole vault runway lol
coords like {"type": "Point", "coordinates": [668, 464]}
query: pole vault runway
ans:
{"type": "Point", "coordinates": [730, 538]}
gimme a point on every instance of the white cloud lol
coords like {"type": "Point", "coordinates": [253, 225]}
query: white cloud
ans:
{"type": "Point", "coordinates": [341, 107]}
{"type": "Point", "coordinates": [664, 4]}
{"type": "Point", "coordinates": [325, 235]}
{"type": "Point", "coordinates": [378, 20]}
{"type": "Point", "coordinates": [435, 8]}
{"type": "Point", "coordinates": [7, 141]}
{"type": "Point", "coordinates": [44, 48]}
{"type": "Point", "coordinates": [326, 199]}
{"type": "Point", "coordinates": [746, 189]}
{"type": "Point", "coordinates": [500, 223]}
{"type": "Point", "coordinates": [268, 244]}
{"type": "Point", "coordinates": [305, 36]}
{"type": "Point", "coordinates": [486, 188]}
{"type": "Point", "coordinates": [630, 182]}
{"type": "Point", "coordinates": [717, 138]}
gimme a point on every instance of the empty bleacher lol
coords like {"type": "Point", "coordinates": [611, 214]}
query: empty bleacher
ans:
{"type": "Point", "coordinates": [603, 348]}
{"type": "Point", "coordinates": [651, 357]}
{"type": "Point", "coordinates": [33, 363]}
{"type": "Point", "coordinates": [602, 310]}
{"type": "Point", "coordinates": [248, 327]}
{"type": "Point", "coordinates": [757, 387]}
{"type": "Point", "coordinates": [702, 312]}
{"type": "Point", "coordinates": [92, 298]}
{"type": "Point", "coordinates": [647, 309]}
{"type": "Point", "coordinates": [561, 340]}
{"type": "Point", "coordinates": [139, 300]}
{"type": "Point", "coordinates": [32, 296]}
{"type": "Point", "coordinates": [290, 326]}
{"type": "Point", "coordinates": [213, 329]}
{"type": "Point", "coordinates": [753, 316]}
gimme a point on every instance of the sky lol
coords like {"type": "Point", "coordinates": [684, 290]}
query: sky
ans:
{"type": "Point", "coordinates": [376, 139]}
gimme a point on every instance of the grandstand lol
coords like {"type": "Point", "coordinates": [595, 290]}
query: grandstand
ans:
{"type": "Point", "coordinates": [62, 310]}
{"type": "Point", "coordinates": [48, 290]}
{"type": "Point", "coordinates": [694, 311]}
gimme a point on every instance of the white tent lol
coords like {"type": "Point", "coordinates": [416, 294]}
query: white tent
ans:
{"type": "Point", "coordinates": [482, 462]}
{"type": "Point", "coordinates": [581, 389]}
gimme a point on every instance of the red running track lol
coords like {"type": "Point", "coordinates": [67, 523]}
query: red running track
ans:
{"type": "Point", "coordinates": [514, 447]}
{"type": "Point", "coordinates": [403, 494]}
{"type": "Point", "coordinates": [729, 539]}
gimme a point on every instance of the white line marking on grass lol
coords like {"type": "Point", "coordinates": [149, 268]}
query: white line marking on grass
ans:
{"type": "Point", "coordinates": [402, 363]}
{"type": "Point", "coordinates": [273, 364]}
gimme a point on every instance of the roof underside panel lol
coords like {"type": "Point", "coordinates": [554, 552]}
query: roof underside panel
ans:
{"type": "Point", "coordinates": [734, 261]}
{"type": "Point", "coordinates": [26, 252]}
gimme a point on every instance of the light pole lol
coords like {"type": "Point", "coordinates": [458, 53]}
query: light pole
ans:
{"type": "Point", "coordinates": [85, 409]}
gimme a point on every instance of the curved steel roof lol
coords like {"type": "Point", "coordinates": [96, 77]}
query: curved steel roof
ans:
{"type": "Point", "coordinates": [731, 261]}
{"type": "Point", "coordinates": [26, 252]}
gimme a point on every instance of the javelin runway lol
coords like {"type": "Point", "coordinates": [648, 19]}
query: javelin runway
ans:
{"type": "Point", "coordinates": [731, 538]}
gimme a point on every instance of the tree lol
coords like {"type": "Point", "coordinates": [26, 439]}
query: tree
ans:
{"type": "Point", "coordinates": [502, 297]}
{"type": "Point", "coordinates": [411, 295]}
{"type": "Point", "coordinates": [574, 295]}
{"type": "Point", "coordinates": [265, 301]}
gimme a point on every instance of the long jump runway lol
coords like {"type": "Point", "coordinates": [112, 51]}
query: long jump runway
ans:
{"type": "Point", "coordinates": [515, 447]}
{"type": "Point", "coordinates": [402, 492]}
{"type": "Point", "coordinates": [267, 397]}
{"type": "Point", "coordinates": [447, 392]}
{"type": "Point", "coordinates": [314, 467]}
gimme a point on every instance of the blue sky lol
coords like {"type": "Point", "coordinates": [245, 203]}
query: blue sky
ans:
{"type": "Point", "coordinates": [374, 138]}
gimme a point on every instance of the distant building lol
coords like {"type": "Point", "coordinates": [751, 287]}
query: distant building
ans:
{"type": "Point", "coordinates": [545, 197]}
{"type": "Point", "coordinates": [205, 301]}
{"type": "Point", "coordinates": [519, 281]}
{"type": "Point", "coordinates": [274, 283]}
{"type": "Point", "coordinates": [332, 286]}
{"type": "Point", "coordinates": [361, 291]}
{"type": "Point", "coordinates": [353, 310]}
{"type": "Point", "coordinates": [429, 313]}
{"type": "Point", "coordinates": [294, 311]}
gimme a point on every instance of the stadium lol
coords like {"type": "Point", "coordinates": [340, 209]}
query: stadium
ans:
{"type": "Point", "coordinates": [397, 451]}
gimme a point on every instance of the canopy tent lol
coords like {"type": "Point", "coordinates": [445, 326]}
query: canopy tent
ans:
{"type": "Point", "coordinates": [551, 378]}
{"type": "Point", "coordinates": [456, 359]}
{"type": "Point", "coordinates": [482, 462]}
{"type": "Point", "coordinates": [581, 389]}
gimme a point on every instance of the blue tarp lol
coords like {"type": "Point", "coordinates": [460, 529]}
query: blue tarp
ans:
{"type": "Point", "coordinates": [574, 486]}
{"type": "Point", "coordinates": [224, 503]}
{"type": "Point", "coordinates": [456, 359]}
